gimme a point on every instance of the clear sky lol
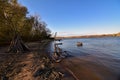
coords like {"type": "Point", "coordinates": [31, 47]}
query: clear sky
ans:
{"type": "Point", "coordinates": [77, 17]}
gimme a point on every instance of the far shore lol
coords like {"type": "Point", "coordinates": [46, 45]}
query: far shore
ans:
{"type": "Point", "coordinates": [90, 36]}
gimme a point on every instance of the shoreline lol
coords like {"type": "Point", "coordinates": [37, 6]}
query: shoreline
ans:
{"type": "Point", "coordinates": [23, 66]}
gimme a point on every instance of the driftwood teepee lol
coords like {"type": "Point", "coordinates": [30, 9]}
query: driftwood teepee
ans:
{"type": "Point", "coordinates": [17, 45]}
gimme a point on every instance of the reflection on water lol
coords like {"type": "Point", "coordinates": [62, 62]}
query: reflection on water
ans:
{"type": "Point", "coordinates": [100, 54]}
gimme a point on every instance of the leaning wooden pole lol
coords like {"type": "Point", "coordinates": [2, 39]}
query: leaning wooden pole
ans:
{"type": "Point", "coordinates": [55, 47]}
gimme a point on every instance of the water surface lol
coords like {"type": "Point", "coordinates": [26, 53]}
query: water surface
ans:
{"type": "Point", "coordinates": [101, 55]}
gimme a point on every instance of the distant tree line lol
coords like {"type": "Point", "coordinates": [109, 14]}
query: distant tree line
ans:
{"type": "Point", "coordinates": [14, 20]}
{"type": "Point", "coordinates": [118, 34]}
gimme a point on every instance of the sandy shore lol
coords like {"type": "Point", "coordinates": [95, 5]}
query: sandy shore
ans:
{"type": "Point", "coordinates": [23, 66]}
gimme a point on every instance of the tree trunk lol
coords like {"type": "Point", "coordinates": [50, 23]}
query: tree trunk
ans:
{"type": "Point", "coordinates": [17, 45]}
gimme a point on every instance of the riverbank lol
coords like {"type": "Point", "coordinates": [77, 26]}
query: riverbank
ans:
{"type": "Point", "coordinates": [17, 66]}
{"type": "Point", "coordinates": [24, 66]}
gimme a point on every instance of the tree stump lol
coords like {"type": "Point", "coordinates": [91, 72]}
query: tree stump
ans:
{"type": "Point", "coordinates": [17, 45]}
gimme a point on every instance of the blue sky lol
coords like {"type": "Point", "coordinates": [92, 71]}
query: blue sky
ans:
{"type": "Point", "coordinates": [77, 17]}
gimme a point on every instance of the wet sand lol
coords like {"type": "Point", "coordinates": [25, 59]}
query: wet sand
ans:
{"type": "Point", "coordinates": [83, 69]}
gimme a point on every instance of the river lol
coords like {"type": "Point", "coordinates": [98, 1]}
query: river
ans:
{"type": "Point", "coordinates": [97, 59]}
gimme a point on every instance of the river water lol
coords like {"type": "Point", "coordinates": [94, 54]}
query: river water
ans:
{"type": "Point", "coordinates": [104, 52]}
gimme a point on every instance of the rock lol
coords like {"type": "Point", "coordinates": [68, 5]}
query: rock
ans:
{"type": "Point", "coordinates": [79, 44]}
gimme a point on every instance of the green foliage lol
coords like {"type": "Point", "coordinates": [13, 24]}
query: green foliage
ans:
{"type": "Point", "coordinates": [12, 16]}
{"type": "Point", "coordinates": [13, 21]}
{"type": "Point", "coordinates": [39, 30]}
